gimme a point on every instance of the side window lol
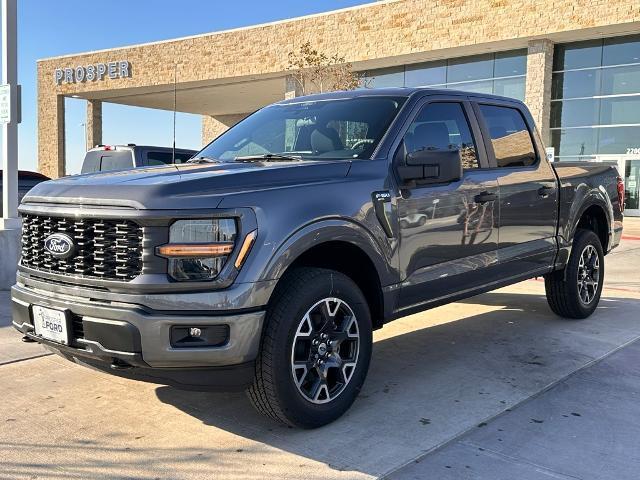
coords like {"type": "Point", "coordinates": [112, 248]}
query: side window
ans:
{"type": "Point", "coordinates": [183, 157]}
{"type": "Point", "coordinates": [510, 137]}
{"type": "Point", "coordinates": [159, 158]}
{"type": "Point", "coordinates": [443, 126]}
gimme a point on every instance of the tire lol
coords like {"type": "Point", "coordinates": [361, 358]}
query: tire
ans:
{"type": "Point", "coordinates": [571, 292]}
{"type": "Point", "coordinates": [306, 305]}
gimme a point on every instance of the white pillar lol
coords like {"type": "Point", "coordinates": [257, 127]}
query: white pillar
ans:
{"type": "Point", "coordinates": [9, 222]}
{"type": "Point", "coordinates": [10, 130]}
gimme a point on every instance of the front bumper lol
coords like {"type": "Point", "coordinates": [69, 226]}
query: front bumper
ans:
{"type": "Point", "coordinates": [132, 340]}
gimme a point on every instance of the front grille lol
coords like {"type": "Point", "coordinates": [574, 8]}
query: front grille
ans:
{"type": "Point", "coordinates": [104, 249]}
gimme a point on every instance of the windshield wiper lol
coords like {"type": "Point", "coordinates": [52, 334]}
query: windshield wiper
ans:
{"type": "Point", "coordinates": [268, 157]}
{"type": "Point", "coordinates": [203, 160]}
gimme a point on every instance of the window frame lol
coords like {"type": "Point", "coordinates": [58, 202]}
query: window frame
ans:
{"type": "Point", "coordinates": [536, 141]}
{"type": "Point", "coordinates": [422, 102]}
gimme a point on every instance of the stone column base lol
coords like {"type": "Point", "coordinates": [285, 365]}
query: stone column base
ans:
{"type": "Point", "coordinates": [9, 255]}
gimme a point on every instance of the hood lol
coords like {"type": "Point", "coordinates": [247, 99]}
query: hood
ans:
{"type": "Point", "coordinates": [182, 186]}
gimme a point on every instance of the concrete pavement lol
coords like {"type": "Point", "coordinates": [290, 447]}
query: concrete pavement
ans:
{"type": "Point", "coordinates": [434, 378]}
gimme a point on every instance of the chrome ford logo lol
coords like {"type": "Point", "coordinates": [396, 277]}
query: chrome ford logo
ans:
{"type": "Point", "coordinates": [59, 245]}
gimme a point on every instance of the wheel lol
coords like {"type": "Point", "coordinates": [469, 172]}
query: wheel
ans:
{"type": "Point", "coordinates": [315, 349]}
{"type": "Point", "coordinates": [575, 291]}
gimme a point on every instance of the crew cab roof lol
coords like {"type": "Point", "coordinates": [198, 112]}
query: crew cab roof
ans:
{"type": "Point", "coordinates": [391, 92]}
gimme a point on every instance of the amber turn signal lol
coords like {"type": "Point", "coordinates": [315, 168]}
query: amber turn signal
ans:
{"type": "Point", "coordinates": [246, 247]}
{"type": "Point", "coordinates": [202, 250]}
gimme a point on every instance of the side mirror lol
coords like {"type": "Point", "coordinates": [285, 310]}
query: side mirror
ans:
{"type": "Point", "coordinates": [431, 166]}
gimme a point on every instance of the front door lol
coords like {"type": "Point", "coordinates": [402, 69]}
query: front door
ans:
{"type": "Point", "coordinates": [447, 231]}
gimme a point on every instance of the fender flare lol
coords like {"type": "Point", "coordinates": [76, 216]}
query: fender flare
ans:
{"type": "Point", "coordinates": [324, 231]}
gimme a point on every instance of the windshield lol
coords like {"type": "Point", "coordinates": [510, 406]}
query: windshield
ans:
{"type": "Point", "coordinates": [324, 129]}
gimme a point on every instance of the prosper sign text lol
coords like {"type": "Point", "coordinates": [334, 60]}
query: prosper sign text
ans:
{"type": "Point", "coordinates": [92, 73]}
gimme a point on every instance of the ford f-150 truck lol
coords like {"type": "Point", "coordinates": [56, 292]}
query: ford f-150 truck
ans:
{"type": "Point", "coordinates": [266, 261]}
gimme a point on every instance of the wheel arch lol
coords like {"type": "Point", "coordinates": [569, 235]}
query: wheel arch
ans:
{"type": "Point", "coordinates": [342, 246]}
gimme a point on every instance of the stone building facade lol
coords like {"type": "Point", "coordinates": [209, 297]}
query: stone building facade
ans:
{"type": "Point", "coordinates": [224, 75]}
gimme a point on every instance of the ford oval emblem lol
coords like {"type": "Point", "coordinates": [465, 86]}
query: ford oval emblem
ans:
{"type": "Point", "coordinates": [59, 245]}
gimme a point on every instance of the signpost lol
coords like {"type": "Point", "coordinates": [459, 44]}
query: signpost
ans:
{"type": "Point", "coordinates": [9, 118]}
{"type": "Point", "coordinates": [5, 104]}
{"type": "Point", "coordinates": [9, 115]}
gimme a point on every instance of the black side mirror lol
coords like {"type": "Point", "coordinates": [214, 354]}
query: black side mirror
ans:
{"type": "Point", "coordinates": [431, 166]}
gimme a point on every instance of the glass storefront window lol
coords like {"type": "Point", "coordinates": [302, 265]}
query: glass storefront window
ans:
{"type": "Point", "coordinates": [510, 87]}
{"type": "Point", "coordinates": [581, 83]}
{"type": "Point", "coordinates": [470, 68]}
{"type": "Point", "coordinates": [386, 77]}
{"type": "Point", "coordinates": [620, 111]}
{"type": "Point", "coordinates": [425, 74]}
{"type": "Point", "coordinates": [575, 113]}
{"type": "Point", "coordinates": [575, 141]}
{"type": "Point", "coordinates": [485, 86]}
{"type": "Point", "coordinates": [621, 50]}
{"type": "Point", "coordinates": [578, 55]}
{"type": "Point", "coordinates": [509, 64]}
{"type": "Point", "coordinates": [618, 139]}
{"type": "Point", "coordinates": [621, 80]}
{"type": "Point", "coordinates": [501, 73]}
{"type": "Point", "coordinates": [596, 84]}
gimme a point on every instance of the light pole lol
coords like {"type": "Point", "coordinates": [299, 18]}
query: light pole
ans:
{"type": "Point", "coordinates": [10, 114]}
{"type": "Point", "coordinates": [9, 118]}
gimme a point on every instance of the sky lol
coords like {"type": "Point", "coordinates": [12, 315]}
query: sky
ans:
{"type": "Point", "coordinates": [48, 28]}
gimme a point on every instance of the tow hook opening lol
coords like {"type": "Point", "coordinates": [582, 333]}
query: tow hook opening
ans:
{"type": "Point", "coordinates": [117, 364]}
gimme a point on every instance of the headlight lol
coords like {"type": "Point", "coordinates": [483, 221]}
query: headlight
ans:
{"type": "Point", "coordinates": [198, 249]}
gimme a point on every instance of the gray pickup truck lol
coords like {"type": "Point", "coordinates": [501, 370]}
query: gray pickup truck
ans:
{"type": "Point", "coordinates": [266, 261]}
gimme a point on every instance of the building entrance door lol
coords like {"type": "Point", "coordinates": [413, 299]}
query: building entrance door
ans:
{"type": "Point", "coordinates": [629, 168]}
{"type": "Point", "coordinates": [632, 188]}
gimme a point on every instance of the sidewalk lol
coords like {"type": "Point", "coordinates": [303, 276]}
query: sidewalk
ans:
{"type": "Point", "coordinates": [631, 227]}
{"type": "Point", "coordinates": [11, 348]}
{"type": "Point", "coordinates": [586, 426]}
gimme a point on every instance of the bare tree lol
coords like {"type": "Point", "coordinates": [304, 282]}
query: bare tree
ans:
{"type": "Point", "coordinates": [317, 72]}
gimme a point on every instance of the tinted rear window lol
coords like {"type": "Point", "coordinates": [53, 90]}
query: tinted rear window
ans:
{"type": "Point", "coordinates": [102, 161]}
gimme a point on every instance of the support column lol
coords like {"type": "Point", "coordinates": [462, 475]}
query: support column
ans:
{"type": "Point", "coordinates": [213, 127]}
{"type": "Point", "coordinates": [538, 86]}
{"type": "Point", "coordinates": [94, 123]}
{"type": "Point", "coordinates": [51, 142]}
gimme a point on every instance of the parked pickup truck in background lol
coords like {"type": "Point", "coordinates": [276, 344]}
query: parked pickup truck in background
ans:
{"type": "Point", "coordinates": [26, 181]}
{"type": "Point", "coordinates": [103, 158]}
{"type": "Point", "coordinates": [267, 260]}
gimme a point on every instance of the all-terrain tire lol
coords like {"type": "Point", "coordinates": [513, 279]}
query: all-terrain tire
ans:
{"type": "Point", "coordinates": [275, 392]}
{"type": "Point", "coordinates": [562, 286]}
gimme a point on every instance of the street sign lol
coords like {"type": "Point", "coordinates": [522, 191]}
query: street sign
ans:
{"type": "Point", "coordinates": [5, 104]}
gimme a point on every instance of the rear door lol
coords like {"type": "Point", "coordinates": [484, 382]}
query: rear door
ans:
{"type": "Point", "coordinates": [528, 189]}
{"type": "Point", "coordinates": [447, 231]}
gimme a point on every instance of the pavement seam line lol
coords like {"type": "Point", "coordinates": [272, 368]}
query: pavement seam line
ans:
{"type": "Point", "coordinates": [507, 410]}
{"type": "Point", "coordinates": [19, 360]}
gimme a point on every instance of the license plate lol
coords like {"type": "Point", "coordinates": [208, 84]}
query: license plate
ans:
{"type": "Point", "coordinates": [51, 324]}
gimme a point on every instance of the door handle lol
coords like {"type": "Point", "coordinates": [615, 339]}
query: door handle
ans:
{"type": "Point", "coordinates": [544, 191]}
{"type": "Point", "coordinates": [485, 197]}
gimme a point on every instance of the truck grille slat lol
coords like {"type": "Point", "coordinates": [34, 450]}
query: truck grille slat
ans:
{"type": "Point", "coordinates": [105, 249]}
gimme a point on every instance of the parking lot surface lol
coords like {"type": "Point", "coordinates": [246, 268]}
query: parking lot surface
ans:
{"type": "Point", "coordinates": [495, 383]}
